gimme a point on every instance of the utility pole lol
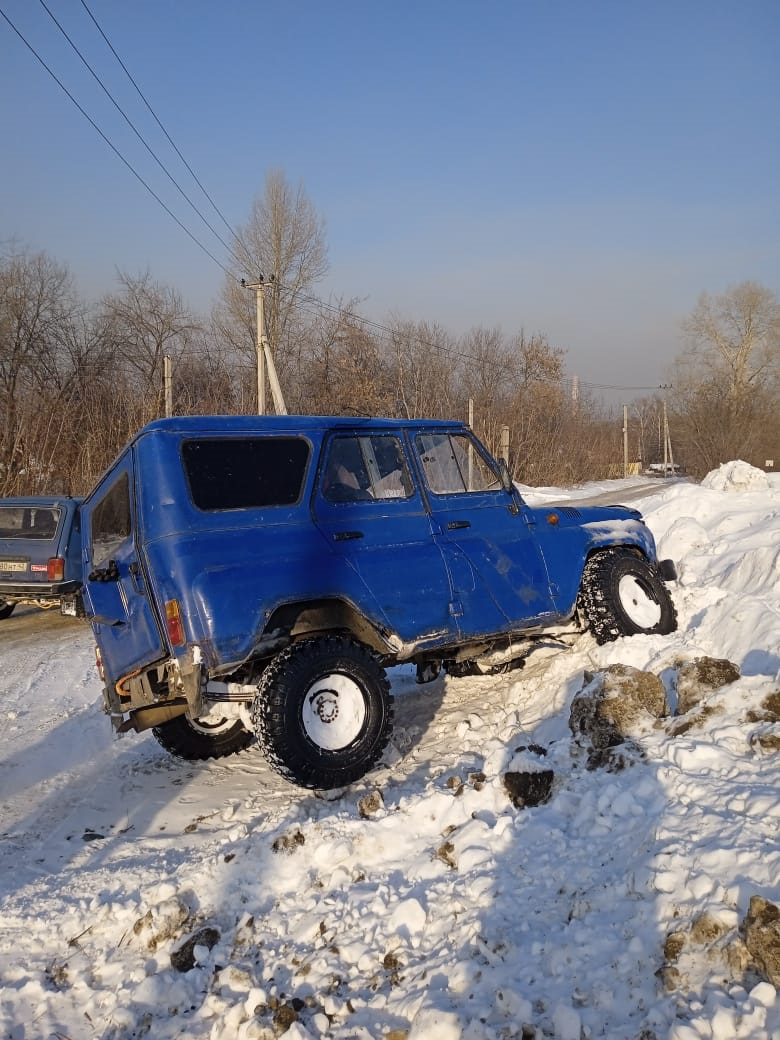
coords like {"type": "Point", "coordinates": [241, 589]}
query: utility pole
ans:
{"type": "Point", "coordinates": [264, 356]}
{"type": "Point", "coordinates": [666, 442]}
{"type": "Point", "coordinates": [471, 450]}
{"type": "Point", "coordinates": [168, 385]}
{"type": "Point", "coordinates": [668, 456]}
{"type": "Point", "coordinates": [625, 440]}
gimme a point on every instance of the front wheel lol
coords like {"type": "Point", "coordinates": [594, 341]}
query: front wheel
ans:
{"type": "Point", "coordinates": [211, 736]}
{"type": "Point", "coordinates": [622, 595]}
{"type": "Point", "coordinates": [323, 712]}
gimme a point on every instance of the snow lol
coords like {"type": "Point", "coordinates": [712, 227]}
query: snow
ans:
{"type": "Point", "coordinates": [419, 904]}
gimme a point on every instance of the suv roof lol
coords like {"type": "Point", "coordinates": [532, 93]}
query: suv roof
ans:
{"type": "Point", "coordinates": [44, 501]}
{"type": "Point", "coordinates": [286, 423]}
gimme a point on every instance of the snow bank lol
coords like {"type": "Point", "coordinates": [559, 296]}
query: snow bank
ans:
{"type": "Point", "coordinates": [736, 476]}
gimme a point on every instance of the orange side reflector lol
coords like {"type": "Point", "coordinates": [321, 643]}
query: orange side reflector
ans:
{"type": "Point", "coordinates": [55, 569]}
{"type": "Point", "coordinates": [174, 622]}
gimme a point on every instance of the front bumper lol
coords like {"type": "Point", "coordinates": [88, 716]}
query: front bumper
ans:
{"type": "Point", "coordinates": [667, 570]}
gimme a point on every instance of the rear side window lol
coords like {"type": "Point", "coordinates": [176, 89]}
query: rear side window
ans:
{"type": "Point", "coordinates": [364, 467]}
{"type": "Point", "coordinates": [28, 522]}
{"type": "Point", "coordinates": [110, 522]}
{"type": "Point", "coordinates": [245, 473]}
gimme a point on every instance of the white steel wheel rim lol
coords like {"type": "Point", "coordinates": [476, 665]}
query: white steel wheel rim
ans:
{"type": "Point", "coordinates": [640, 607]}
{"type": "Point", "coordinates": [334, 712]}
{"type": "Point", "coordinates": [211, 724]}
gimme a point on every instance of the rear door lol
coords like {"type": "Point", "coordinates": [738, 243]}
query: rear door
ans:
{"type": "Point", "coordinates": [28, 541]}
{"type": "Point", "coordinates": [373, 516]}
{"type": "Point", "coordinates": [116, 601]}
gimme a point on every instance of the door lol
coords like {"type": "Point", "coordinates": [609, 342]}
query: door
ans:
{"type": "Point", "coordinates": [373, 516]}
{"type": "Point", "coordinates": [487, 525]}
{"type": "Point", "coordinates": [115, 591]}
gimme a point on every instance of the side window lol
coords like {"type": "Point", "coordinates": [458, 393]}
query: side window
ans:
{"type": "Point", "coordinates": [453, 465]}
{"type": "Point", "coordinates": [245, 473]}
{"type": "Point", "coordinates": [110, 522]}
{"type": "Point", "coordinates": [361, 468]}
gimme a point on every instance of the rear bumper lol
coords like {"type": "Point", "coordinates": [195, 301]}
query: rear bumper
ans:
{"type": "Point", "coordinates": [18, 591]}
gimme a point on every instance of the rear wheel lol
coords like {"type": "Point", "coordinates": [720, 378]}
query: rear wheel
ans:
{"type": "Point", "coordinates": [211, 736]}
{"type": "Point", "coordinates": [6, 609]}
{"type": "Point", "coordinates": [622, 595]}
{"type": "Point", "coordinates": [323, 712]}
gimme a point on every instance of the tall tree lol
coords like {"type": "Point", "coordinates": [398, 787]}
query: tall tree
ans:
{"type": "Point", "coordinates": [422, 359]}
{"type": "Point", "coordinates": [727, 381]}
{"type": "Point", "coordinates": [284, 243]}
{"type": "Point", "coordinates": [146, 320]}
{"type": "Point", "coordinates": [38, 306]}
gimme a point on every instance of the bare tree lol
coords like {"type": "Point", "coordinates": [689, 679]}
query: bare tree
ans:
{"type": "Point", "coordinates": [146, 320]}
{"type": "Point", "coordinates": [37, 308]}
{"type": "Point", "coordinates": [727, 381]}
{"type": "Point", "coordinates": [423, 368]}
{"type": "Point", "coordinates": [284, 243]}
{"type": "Point", "coordinates": [737, 337]}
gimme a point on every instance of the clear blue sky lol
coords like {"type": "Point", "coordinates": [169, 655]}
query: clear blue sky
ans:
{"type": "Point", "coordinates": [581, 169]}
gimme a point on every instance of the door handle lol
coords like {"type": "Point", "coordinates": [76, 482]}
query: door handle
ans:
{"type": "Point", "coordinates": [346, 536]}
{"type": "Point", "coordinates": [457, 525]}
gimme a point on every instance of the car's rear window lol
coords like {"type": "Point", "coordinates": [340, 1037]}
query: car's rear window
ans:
{"type": "Point", "coordinates": [245, 472]}
{"type": "Point", "coordinates": [28, 522]}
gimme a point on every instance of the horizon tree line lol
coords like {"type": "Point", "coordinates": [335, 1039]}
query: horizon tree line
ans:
{"type": "Point", "coordinates": [78, 379]}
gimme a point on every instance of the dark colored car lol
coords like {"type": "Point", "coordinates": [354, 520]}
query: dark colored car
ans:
{"type": "Point", "coordinates": [40, 551]}
{"type": "Point", "coordinates": [253, 577]}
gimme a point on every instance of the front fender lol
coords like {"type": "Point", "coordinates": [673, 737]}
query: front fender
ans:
{"type": "Point", "coordinates": [567, 538]}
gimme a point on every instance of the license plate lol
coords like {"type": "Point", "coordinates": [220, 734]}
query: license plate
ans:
{"type": "Point", "coordinates": [13, 565]}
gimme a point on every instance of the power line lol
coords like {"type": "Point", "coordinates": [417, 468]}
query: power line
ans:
{"type": "Point", "coordinates": [140, 93]}
{"type": "Point", "coordinates": [384, 330]}
{"type": "Point", "coordinates": [113, 148]}
{"type": "Point", "coordinates": [439, 348]}
{"type": "Point", "coordinates": [133, 127]}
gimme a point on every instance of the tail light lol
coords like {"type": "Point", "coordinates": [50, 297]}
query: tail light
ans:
{"type": "Point", "coordinates": [174, 623]}
{"type": "Point", "coordinates": [55, 569]}
{"type": "Point", "coordinates": [99, 664]}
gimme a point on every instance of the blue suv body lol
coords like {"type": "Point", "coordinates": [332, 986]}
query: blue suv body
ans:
{"type": "Point", "coordinates": [253, 577]}
{"type": "Point", "coordinates": [40, 551]}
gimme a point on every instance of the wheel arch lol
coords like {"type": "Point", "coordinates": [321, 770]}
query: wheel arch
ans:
{"type": "Point", "coordinates": [601, 606]}
{"type": "Point", "coordinates": [617, 549]}
{"type": "Point", "coordinates": [315, 617]}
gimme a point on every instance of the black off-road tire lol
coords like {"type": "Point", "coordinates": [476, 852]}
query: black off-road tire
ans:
{"type": "Point", "coordinates": [323, 712]}
{"type": "Point", "coordinates": [6, 609]}
{"type": "Point", "coordinates": [622, 595]}
{"type": "Point", "coordinates": [199, 739]}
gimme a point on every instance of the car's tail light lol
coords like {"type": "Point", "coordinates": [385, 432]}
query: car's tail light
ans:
{"type": "Point", "coordinates": [174, 622]}
{"type": "Point", "coordinates": [99, 663]}
{"type": "Point", "coordinates": [55, 569]}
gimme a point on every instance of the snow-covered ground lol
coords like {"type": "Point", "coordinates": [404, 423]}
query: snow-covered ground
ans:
{"type": "Point", "coordinates": [421, 903]}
